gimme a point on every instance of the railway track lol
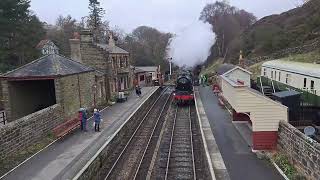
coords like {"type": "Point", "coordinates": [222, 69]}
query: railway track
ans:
{"type": "Point", "coordinates": [180, 163]}
{"type": "Point", "coordinates": [180, 154]}
{"type": "Point", "coordinates": [130, 159]}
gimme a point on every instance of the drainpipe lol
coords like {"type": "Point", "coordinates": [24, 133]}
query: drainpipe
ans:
{"type": "Point", "coordinates": [79, 91]}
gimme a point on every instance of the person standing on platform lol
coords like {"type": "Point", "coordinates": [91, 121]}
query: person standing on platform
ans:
{"type": "Point", "coordinates": [84, 119]}
{"type": "Point", "coordinates": [97, 120]}
{"type": "Point", "coordinates": [139, 89]}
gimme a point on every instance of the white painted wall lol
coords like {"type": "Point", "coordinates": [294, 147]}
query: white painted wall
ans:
{"type": "Point", "coordinates": [265, 113]}
{"type": "Point", "coordinates": [241, 75]}
{"type": "Point", "coordinates": [294, 80]}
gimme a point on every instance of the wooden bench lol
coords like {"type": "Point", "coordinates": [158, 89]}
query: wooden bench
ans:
{"type": "Point", "coordinates": [66, 127]}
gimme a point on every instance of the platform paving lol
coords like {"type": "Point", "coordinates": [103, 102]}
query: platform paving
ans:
{"type": "Point", "coordinates": [64, 158]}
{"type": "Point", "coordinates": [217, 167]}
{"type": "Point", "coordinates": [240, 161]}
{"type": "Point", "coordinates": [245, 131]}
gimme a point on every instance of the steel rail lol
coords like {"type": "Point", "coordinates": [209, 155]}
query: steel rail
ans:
{"type": "Point", "coordinates": [125, 148]}
{"type": "Point", "coordinates": [149, 140]}
{"type": "Point", "coordinates": [170, 147]}
{"type": "Point", "coordinates": [191, 141]}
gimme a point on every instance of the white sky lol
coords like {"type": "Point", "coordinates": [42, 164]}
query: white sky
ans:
{"type": "Point", "coordinates": [193, 38]}
{"type": "Point", "coordinates": [166, 15]}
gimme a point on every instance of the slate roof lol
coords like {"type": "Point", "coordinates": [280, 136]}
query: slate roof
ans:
{"type": "Point", "coordinates": [146, 69]}
{"type": "Point", "coordinates": [223, 68]}
{"type": "Point", "coordinates": [112, 49]}
{"type": "Point", "coordinates": [52, 65]}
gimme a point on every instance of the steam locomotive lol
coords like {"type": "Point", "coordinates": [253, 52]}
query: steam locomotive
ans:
{"type": "Point", "coordinates": [184, 89]}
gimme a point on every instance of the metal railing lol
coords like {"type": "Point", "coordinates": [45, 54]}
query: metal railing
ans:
{"type": "Point", "coordinates": [3, 117]}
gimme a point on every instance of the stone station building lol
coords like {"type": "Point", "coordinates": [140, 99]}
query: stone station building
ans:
{"type": "Point", "coordinates": [112, 61]}
{"type": "Point", "coordinates": [43, 94]}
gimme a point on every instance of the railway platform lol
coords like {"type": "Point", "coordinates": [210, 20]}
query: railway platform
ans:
{"type": "Point", "coordinates": [215, 161]}
{"type": "Point", "coordinates": [65, 157]}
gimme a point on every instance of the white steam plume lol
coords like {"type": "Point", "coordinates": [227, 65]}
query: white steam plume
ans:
{"type": "Point", "coordinates": [192, 45]}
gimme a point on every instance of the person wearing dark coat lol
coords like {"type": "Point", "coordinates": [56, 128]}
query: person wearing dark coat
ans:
{"type": "Point", "coordinates": [83, 119]}
{"type": "Point", "coordinates": [97, 120]}
{"type": "Point", "coordinates": [138, 91]}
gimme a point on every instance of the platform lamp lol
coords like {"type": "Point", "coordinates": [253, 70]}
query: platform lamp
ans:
{"type": "Point", "coordinates": [170, 66]}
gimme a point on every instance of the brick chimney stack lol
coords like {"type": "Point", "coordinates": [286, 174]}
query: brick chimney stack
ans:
{"type": "Point", "coordinates": [86, 36]}
{"type": "Point", "coordinates": [111, 40]}
{"type": "Point", "coordinates": [75, 49]}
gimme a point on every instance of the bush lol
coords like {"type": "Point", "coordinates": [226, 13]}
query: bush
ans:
{"type": "Point", "coordinates": [289, 170]}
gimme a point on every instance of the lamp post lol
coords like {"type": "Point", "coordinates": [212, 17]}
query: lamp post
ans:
{"type": "Point", "coordinates": [170, 66]}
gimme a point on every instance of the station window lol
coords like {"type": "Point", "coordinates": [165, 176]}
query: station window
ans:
{"type": "Point", "coordinates": [305, 82]}
{"type": "Point", "coordinates": [312, 85]}
{"type": "Point", "coordinates": [279, 78]}
{"type": "Point", "coordinates": [271, 74]}
{"type": "Point", "coordinates": [264, 71]}
{"type": "Point", "coordinates": [288, 78]}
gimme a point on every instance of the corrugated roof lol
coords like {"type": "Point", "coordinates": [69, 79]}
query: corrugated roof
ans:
{"type": "Point", "coordinates": [223, 68]}
{"type": "Point", "coordinates": [48, 66]}
{"type": "Point", "coordinates": [283, 94]}
{"type": "Point", "coordinates": [112, 49]}
{"type": "Point", "coordinates": [295, 67]}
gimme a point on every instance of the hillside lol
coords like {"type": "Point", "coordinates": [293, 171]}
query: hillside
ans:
{"type": "Point", "coordinates": [276, 32]}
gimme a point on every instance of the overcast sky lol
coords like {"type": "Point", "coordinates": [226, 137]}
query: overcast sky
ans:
{"type": "Point", "coordinates": [193, 38]}
{"type": "Point", "coordinates": [166, 15]}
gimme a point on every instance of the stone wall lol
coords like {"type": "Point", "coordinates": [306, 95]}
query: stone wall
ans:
{"type": "Point", "coordinates": [302, 153]}
{"type": "Point", "coordinates": [97, 169]}
{"type": "Point", "coordinates": [75, 91]}
{"type": "Point", "coordinates": [94, 56]}
{"type": "Point", "coordinates": [25, 131]}
{"type": "Point", "coordinates": [315, 45]}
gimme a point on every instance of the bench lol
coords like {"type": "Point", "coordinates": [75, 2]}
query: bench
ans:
{"type": "Point", "coordinates": [66, 127]}
{"type": "Point", "coordinates": [122, 97]}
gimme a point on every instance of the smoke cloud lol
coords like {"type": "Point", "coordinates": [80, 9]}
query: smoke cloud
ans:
{"type": "Point", "coordinates": [192, 44]}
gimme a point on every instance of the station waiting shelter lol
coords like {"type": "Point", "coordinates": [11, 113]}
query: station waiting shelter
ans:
{"type": "Point", "coordinates": [263, 113]}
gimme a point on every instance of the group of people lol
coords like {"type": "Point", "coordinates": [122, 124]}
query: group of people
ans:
{"type": "Point", "coordinates": [83, 116]}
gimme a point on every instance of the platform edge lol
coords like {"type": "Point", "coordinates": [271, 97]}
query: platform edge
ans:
{"type": "Point", "coordinates": [214, 159]}
{"type": "Point", "coordinates": [77, 176]}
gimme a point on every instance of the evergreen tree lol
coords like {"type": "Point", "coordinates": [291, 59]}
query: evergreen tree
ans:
{"type": "Point", "coordinates": [96, 14]}
{"type": "Point", "coordinates": [20, 31]}
{"type": "Point", "coordinates": [95, 23]}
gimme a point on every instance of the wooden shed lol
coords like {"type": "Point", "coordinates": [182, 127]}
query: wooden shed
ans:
{"type": "Point", "coordinates": [264, 113]}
